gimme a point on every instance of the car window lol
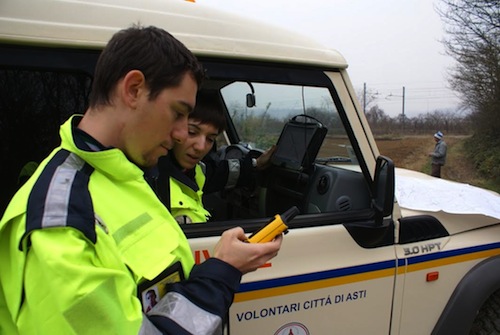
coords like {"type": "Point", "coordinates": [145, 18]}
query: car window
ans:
{"type": "Point", "coordinates": [260, 101]}
{"type": "Point", "coordinates": [260, 126]}
{"type": "Point", "coordinates": [34, 102]}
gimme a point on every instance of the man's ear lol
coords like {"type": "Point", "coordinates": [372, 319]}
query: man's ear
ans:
{"type": "Point", "coordinates": [133, 87]}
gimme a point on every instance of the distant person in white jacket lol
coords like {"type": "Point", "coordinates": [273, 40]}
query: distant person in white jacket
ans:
{"type": "Point", "coordinates": [438, 155]}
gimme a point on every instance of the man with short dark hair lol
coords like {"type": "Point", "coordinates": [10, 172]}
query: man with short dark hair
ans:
{"type": "Point", "coordinates": [86, 230]}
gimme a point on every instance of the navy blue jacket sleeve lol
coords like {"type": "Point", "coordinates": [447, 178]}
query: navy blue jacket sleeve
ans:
{"type": "Point", "coordinates": [200, 304]}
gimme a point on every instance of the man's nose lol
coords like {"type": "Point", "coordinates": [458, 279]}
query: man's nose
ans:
{"type": "Point", "coordinates": [180, 130]}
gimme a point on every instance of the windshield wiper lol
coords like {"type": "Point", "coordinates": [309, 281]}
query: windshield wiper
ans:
{"type": "Point", "coordinates": [333, 159]}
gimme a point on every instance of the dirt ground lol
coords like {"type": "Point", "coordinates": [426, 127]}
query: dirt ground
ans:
{"type": "Point", "coordinates": [411, 152]}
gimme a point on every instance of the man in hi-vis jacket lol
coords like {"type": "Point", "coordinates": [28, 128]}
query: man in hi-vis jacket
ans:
{"type": "Point", "coordinates": [85, 238]}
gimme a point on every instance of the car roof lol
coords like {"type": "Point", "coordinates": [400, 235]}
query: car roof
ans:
{"type": "Point", "coordinates": [204, 30]}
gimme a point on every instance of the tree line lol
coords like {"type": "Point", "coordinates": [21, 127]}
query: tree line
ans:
{"type": "Point", "coordinates": [446, 121]}
{"type": "Point", "coordinates": [472, 38]}
{"type": "Point", "coordinates": [472, 30]}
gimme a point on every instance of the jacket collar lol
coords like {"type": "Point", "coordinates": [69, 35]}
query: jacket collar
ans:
{"type": "Point", "coordinates": [110, 161]}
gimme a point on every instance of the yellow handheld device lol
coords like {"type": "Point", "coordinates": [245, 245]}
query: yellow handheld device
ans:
{"type": "Point", "coordinates": [273, 228]}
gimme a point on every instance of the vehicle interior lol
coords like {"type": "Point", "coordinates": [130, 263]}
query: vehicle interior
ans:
{"type": "Point", "coordinates": [315, 166]}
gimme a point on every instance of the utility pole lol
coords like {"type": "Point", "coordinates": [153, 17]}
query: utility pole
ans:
{"type": "Point", "coordinates": [364, 98]}
{"type": "Point", "coordinates": [403, 108]}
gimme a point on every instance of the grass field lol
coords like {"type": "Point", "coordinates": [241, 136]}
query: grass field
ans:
{"type": "Point", "coordinates": [411, 152]}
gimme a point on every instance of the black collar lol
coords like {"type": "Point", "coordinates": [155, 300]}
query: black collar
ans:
{"type": "Point", "coordinates": [168, 165]}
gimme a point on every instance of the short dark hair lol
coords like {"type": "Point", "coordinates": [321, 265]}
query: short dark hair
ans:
{"type": "Point", "coordinates": [157, 54]}
{"type": "Point", "coordinates": [208, 110]}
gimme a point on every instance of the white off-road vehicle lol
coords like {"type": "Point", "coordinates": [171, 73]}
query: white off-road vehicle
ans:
{"type": "Point", "coordinates": [357, 259]}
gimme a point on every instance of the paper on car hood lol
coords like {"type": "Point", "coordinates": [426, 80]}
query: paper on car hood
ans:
{"type": "Point", "coordinates": [418, 191]}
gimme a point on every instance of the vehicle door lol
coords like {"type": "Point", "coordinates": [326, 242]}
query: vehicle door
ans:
{"type": "Point", "coordinates": [336, 270]}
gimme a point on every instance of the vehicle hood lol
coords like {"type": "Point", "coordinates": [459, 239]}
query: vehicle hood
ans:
{"type": "Point", "coordinates": [458, 206]}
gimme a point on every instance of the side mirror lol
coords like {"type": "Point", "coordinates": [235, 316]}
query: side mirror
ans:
{"type": "Point", "coordinates": [250, 100]}
{"type": "Point", "coordinates": [251, 96]}
{"type": "Point", "coordinates": [383, 188]}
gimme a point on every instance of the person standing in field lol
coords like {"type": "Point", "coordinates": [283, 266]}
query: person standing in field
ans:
{"type": "Point", "coordinates": [438, 155]}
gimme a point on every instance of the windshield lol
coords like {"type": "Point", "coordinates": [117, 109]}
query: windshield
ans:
{"type": "Point", "coordinates": [260, 125]}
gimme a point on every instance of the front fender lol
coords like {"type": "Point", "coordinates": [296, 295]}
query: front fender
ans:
{"type": "Point", "coordinates": [469, 295]}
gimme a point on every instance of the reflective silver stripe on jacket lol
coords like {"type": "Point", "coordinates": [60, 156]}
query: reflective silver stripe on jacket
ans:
{"type": "Point", "coordinates": [234, 172]}
{"type": "Point", "coordinates": [57, 200]}
{"type": "Point", "coordinates": [203, 167]}
{"type": "Point", "coordinates": [148, 328]}
{"type": "Point", "coordinates": [187, 315]}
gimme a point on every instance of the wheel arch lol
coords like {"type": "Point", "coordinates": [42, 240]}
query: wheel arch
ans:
{"type": "Point", "coordinates": [468, 297]}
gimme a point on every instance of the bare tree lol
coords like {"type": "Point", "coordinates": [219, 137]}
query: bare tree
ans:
{"type": "Point", "coordinates": [379, 121]}
{"type": "Point", "coordinates": [473, 40]}
{"type": "Point", "coordinates": [367, 98]}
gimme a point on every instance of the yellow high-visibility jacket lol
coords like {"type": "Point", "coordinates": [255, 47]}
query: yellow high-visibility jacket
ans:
{"type": "Point", "coordinates": [78, 238]}
{"type": "Point", "coordinates": [186, 204]}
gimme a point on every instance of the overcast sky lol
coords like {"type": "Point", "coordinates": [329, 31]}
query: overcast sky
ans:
{"type": "Point", "coordinates": [388, 44]}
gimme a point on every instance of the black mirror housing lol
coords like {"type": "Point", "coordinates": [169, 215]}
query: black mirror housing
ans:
{"type": "Point", "coordinates": [383, 187]}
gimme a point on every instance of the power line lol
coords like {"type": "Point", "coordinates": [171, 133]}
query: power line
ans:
{"type": "Point", "coordinates": [412, 93]}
